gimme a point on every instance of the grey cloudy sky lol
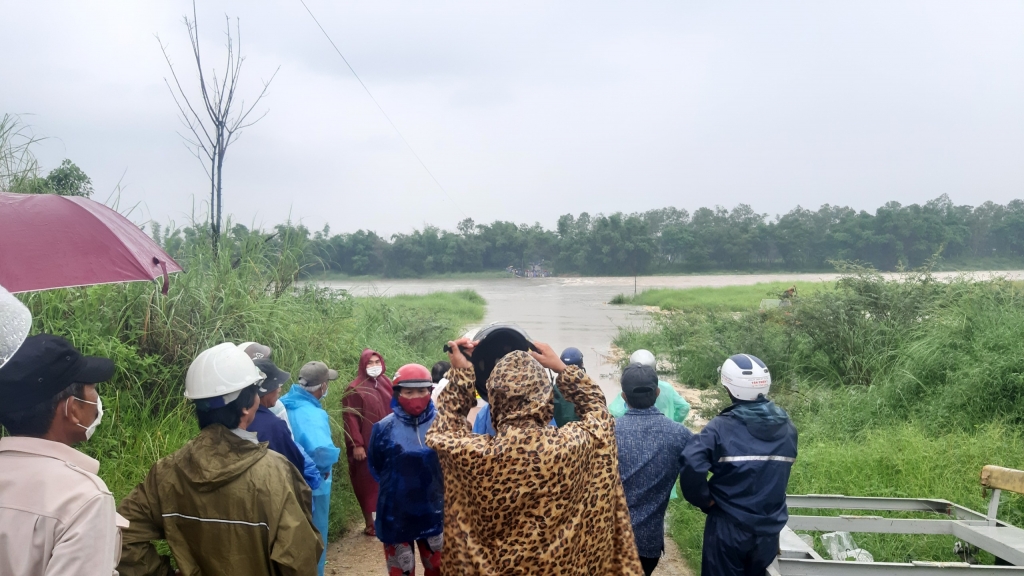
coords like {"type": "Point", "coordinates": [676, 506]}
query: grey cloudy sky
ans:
{"type": "Point", "coordinates": [527, 110]}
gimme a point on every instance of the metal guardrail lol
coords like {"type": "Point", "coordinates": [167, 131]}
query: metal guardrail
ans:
{"type": "Point", "coordinates": [983, 531]}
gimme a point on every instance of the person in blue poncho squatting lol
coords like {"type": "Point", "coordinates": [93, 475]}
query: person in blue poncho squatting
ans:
{"type": "Point", "coordinates": [749, 448]}
{"type": "Point", "coordinates": [312, 429]}
{"type": "Point", "coordinates": [410, 503]}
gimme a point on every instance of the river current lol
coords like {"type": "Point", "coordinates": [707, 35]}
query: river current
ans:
{"type": "Point", "coordinates": [575, 311]}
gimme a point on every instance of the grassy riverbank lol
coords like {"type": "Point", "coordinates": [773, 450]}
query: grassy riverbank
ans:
{"type": "Point", "coordinates": [239, 296]}
{"type": "Point", "coordinates": [727, 298]}
{"type": "Point", "coordinates": [902, 387]}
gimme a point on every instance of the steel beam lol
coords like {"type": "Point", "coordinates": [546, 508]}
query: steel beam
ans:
{"type": "Point", "coordinates": [876, 524]}
{"type": "Point", "coordinates": [840, 502]}
{"type": "Point", "coordinates": [793, 567]}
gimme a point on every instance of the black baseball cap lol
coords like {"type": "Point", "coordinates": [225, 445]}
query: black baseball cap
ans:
{"type": "Point", "coordinates": [640, 384]}
{"type": "Point", "coordinates": [43, 367]}
{"type": "Point", "coordinates": [275, 376]}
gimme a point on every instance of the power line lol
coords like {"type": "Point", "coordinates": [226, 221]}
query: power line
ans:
{"type": "Point", "coordinates": [379, 107]}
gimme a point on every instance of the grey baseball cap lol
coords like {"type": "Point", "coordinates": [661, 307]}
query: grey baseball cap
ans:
{"type": "Point", "coordinates": [255, 350]}
{"type": "Point", "coordinates": [316, 372]}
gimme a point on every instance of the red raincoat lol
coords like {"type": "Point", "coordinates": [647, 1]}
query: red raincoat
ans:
{"type": "Point", "coordinates": [366, 402]}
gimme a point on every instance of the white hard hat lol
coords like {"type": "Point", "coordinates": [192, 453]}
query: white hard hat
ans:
{"type": "Point", "coordinates": [746, 377]}
{"type": "Point", "coordinates": [15, 323]}
{"type": "Point", "coordinates": [220, 372]}
{"type": "Point", "coordinates": [644, 357]}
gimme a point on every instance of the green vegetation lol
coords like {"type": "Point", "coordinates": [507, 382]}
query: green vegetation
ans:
{"type": "Point", "coordinates": [728, 298]}
{"type": "Point", "coordinates": [245, 293]}
{"type": "Point", "coordinates": [902, 387]}
{"type": "Point", "coordinates": [673, 241]}
{"type": "Point", "coordinates": [21, 172]}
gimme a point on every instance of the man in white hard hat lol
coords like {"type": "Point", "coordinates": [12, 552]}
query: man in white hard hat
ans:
{"type": "Point", "coordinates": [224, 503]}
{"type": "Point", "coordinates": [749, 448]}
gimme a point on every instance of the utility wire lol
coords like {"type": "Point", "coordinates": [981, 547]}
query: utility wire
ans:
{"type": "Point", "coordinates": [379, 107]}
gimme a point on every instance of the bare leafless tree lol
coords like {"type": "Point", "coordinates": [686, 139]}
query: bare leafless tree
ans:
{"type": "Point", "coordinates": [216, 124]}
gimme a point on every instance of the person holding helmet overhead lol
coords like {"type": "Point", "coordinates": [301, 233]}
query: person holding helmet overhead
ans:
{"type": "Point", "coordinates": [410, 502]}
{"type": "Point", "coordinates": [749, 448]}
{"type": "Point", "coordinates": [532, 499]}
{"type": "Point", "coordinates": [669, 402]}
{"type": "Point", "coordinates": [224, 503]}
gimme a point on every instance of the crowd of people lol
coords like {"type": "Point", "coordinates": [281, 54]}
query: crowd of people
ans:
{"type": "Point", "coordinates": [545, 478]}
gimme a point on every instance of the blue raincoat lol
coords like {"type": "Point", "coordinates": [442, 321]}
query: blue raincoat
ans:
{"type": "Point", "coordinates": [410, 504]}
{"type": "Point", "coordinates": [312, 430]}
{"type": "Point", "coordinates": [749, 448]}
{"type": "Point", "coordinates": [484, 425]}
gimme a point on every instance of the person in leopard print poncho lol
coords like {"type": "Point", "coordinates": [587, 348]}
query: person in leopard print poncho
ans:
{"type": "Point", "coordinates": [534, 499]}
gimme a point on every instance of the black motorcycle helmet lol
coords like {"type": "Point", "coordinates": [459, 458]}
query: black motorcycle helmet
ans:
{"type": "Point", "coordinates": [495, 341]}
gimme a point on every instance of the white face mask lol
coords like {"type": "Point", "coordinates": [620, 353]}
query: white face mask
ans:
{"type": "Point", "coordinates": [327, 388]}
{"type": "Point", "coordinates": [374, 371]}
{"type": "Point", "coordinates": [91, 428]}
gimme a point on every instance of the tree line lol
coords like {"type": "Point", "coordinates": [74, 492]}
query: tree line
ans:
{"type": "Point", "coordinates": [666, 240]}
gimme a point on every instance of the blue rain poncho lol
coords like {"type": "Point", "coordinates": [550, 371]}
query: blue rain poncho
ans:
{"type": "Point", "coordinates": [312, 429]}
{"type": "Point", "coordinates": [410, 504]}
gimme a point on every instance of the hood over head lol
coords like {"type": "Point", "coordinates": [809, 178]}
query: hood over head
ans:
{"type": "Point", "coordinates": [763, 418]}
{"type": "Point", "coordinates": [217, 457]}
{"type": "Point", "coordinates": [364, 359]}
{"type": "Point", "coordinates": [520, 392]}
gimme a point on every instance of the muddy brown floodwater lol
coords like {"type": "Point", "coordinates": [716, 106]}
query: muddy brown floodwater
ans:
{"type": "Point", "coordinates": [574, 311]}
{"type": "Point", "coordinates": [562, 312]}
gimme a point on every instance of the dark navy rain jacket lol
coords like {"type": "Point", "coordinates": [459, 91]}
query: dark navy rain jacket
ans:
{"type": "Point", "coordinates": [271, 429]}
{"type": "Point", "coordinates": [410, 504]}
{"type": "Point", "coordinates": [749, 448]}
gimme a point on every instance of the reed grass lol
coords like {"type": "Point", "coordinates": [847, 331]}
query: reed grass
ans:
{"type": "Point", "coordinates": [247, 292]}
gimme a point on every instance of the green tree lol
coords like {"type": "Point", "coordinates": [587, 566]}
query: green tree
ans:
{"type": "Point", "coordinates": [69, 180]}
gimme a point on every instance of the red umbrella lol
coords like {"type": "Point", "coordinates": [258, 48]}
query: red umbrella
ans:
{"type": "Point", "coordinates": [49, 241]}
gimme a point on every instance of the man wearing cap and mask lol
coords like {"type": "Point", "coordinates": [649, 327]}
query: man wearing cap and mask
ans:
{"type": "Point", "coordinates": [224, 503]}
{"type": "Point", "coordinates": [273, 430]}
{"type": "Point", "coordinates": [56, 515]}
{"type": "Point", "coordinates": [312, 429]}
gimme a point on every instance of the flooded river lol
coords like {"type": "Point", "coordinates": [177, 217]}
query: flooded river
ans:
{"type": "Point", "coordinates": [574, 311]}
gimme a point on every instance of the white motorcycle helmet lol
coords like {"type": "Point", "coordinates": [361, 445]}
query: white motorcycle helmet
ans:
{"type": "Point", "coordinates": [746, 377]}
{"type": "Point", "coordinates": [644, 357]}
{"type": "Point", "coordinates": [15, 324]}
{"type": "Point", "coordinates": [217, 376]}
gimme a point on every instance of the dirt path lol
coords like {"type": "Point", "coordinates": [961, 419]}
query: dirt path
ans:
{"type": "Point", "coordinates": [358, 555]}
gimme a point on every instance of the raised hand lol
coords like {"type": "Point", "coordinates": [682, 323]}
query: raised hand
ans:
{"type": "Point", "coordinates": [547, 357]}
{"type": "Point", "coordinates": [456, 355]}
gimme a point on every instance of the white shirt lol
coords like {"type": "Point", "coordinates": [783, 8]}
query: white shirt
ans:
{"type": "Point", "coordinates": [57, 517]}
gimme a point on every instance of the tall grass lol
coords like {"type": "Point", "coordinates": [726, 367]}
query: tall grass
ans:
{"type": "Point", "coordinates": [244, 293]}
{"type": "Point", "coordinates": [902, 387]}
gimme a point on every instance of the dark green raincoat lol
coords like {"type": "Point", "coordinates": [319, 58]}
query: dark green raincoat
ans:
{"type": "Point", "coordinates": [226, 506]}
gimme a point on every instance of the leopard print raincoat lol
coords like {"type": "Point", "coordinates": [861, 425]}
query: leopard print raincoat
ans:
{"type": "Point", "coordinates": [534, 499]}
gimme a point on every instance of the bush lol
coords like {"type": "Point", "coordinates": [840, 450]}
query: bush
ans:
{"type": "Point", "coordinates": [900, 387]}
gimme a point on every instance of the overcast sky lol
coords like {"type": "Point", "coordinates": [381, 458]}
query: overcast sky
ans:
{"type": "Point", "coordinates": [528, 110]}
